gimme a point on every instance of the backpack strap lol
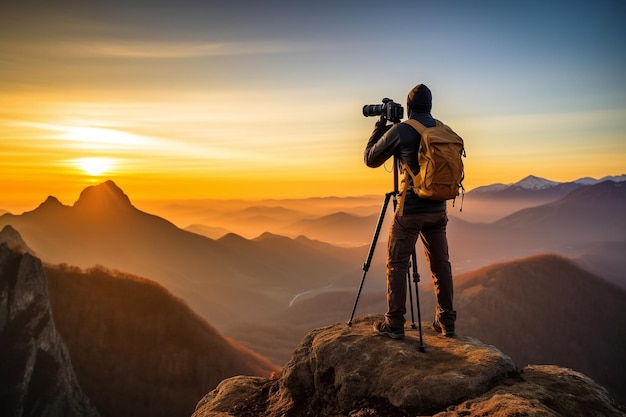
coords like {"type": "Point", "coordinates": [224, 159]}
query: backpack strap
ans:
{"type": "Point", "coordinates": [408, 172]}
{"type": "Point", "coordinates": [415, 125]}
{"type": "Point", "coordinates": [402, 196]}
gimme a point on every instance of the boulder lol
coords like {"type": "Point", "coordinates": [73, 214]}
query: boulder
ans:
{"type": "Point", "coordinates": [352, 371]}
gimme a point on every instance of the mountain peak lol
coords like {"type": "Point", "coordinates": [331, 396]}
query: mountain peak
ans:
{"type": "Point", "coordinates": [533, 182]}
{"type": "Point", "coordinates": [14, 240]}
{"type": "Point", "coordinates": [51, 203]}
{"type": "Point", "coordinates": [102, 197]}
{"type": "Point", "coordinates": [269, 235]}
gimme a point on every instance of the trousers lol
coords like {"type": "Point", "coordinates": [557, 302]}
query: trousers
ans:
{"type": "Point", "coordinates": [403, 234]}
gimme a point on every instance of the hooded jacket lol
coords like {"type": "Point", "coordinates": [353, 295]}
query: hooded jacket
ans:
{"type": "Point", "coordinates": [403, 141]}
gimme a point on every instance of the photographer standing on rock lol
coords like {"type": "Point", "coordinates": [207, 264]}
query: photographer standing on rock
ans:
{"type": "Point", "coordinates": [415, 216]}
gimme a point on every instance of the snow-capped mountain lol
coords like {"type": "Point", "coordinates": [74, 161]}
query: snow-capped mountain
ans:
{"type": "Point", "coordinates": [534, 183]}
{"type": "Point", "coordinates": [535, 190]}
{"type": "Point", "coordinates": [592, 181]}
{"type": "Point", "coordinates": [531, 182]}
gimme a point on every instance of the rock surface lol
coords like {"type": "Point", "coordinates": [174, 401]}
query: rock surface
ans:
{"type": "Point", "coordinates": [36, 375]}
{"type": "Point", "coordinates": [350, 371]}
{"type": "Point", "coordinates": [14, 240]}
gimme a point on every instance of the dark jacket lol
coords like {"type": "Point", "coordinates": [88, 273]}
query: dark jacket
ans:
{"type": "Point", "coordinates": [402, 141]}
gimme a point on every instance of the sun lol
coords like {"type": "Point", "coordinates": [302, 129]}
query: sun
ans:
{"type": "Point", "coordinates": [95, 166]}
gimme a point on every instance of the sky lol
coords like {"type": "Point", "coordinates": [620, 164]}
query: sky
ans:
{"type": "Point", "coordinates": [247, 99]}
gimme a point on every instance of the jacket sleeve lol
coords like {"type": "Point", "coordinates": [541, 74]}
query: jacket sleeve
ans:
{"type": "Point", "coordinates": [383, 144]}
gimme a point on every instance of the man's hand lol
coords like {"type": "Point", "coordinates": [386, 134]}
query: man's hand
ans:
{"type": "Point", "coordinates": [382, 125]}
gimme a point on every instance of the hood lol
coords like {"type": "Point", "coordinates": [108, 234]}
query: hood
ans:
{"type": "Point", "coordinates": [420, 99]}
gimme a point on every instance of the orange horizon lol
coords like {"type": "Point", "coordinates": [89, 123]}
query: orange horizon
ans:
{"type": "Point", "coordinates": [20, 196]}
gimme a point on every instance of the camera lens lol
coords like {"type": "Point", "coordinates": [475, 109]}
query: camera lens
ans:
{"type": "Point", "coordinates": [370, 110]}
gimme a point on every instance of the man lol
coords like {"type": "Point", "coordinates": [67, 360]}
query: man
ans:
{"type": "Point", "coordinates": [419, 217]}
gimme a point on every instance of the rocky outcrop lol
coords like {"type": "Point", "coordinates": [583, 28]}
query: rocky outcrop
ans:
{"type": "Point", "coordinates": [36, 376]}
{"type": "Point", "coordinates": [14, 240]}
{"type": "Point", "coordinates": [350, 371]}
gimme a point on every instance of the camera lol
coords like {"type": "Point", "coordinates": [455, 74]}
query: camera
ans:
{"type": "Point", "coordinates": [389, 110]}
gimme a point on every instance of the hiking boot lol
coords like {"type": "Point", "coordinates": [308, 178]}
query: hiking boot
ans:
{"type": "Point", "coordinates": [447, 330]}
{"type": "Point", "coordinates": [384, 329]}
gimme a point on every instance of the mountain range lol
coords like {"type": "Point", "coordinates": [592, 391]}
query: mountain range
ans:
{"type": "Point", "coordinates": [351, 222]}
{"type": "Point", "coordinates": [267, 292]}
{"type": "Point", "coordinates": [492, 202]}
{"type": "Point", "coordinates": [104, 228]}
{"type": "Point", "coordinates": [586, 224]}
{"type": "Point", "coordinates": [534, 183]}
{"type": "Point", "coordinates": [229, 280]}
{"type": "Point", "coordinates": [575, 225]}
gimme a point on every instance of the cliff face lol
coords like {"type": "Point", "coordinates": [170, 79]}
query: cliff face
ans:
{"type": "Point", "coordinates": [36, 375]}
{"type": "Point", "coordinates": [350, 371]}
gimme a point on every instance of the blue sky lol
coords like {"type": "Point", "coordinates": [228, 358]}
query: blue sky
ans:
{"type": "Point", "coordinates": [198, 95]}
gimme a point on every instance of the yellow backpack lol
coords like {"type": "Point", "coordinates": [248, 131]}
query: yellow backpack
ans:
{"type": "Point", "coordinates": [441, 165]}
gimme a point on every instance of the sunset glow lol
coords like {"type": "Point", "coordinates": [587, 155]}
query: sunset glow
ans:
{"type": "Point", "coordinates": [266, 105]}
{"type": "Point", "coordinates": [95, 166]}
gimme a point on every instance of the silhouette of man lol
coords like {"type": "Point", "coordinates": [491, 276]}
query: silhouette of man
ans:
{"type": "Point", "coordinates": [419, 217]}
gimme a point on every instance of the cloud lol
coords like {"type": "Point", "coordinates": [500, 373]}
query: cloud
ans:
{"type": "Point", "coordinates": [163, 50]}
{"type": "Point", "coordinates": [117, 142]}
{"type": "Point", "coordinates": [138, 49]}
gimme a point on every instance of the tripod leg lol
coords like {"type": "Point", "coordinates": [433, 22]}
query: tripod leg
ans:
{"type": "Point", "coordinates": [416, 279]}
{"type": "Point", "coordinates": [408, 278]}
{"type": "Point", "coordinates": [368, 262]}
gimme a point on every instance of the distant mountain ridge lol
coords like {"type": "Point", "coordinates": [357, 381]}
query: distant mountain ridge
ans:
{"type": "Point", "coordinates": [353, 226]}
{"type": "Point", "coordinates": [491, 202]}
{"type": "Point", "coordinates": [535, 183]}
{"type": "Point", "coordinates": [580, 224]}
{"type": "Point", "coordinates": [604, 201]}
{"type": "Point", "coordinates": [341, 226]}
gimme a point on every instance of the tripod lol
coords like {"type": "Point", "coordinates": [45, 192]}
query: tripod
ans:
{"type": "Point", "coordinates": [367, 264]}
